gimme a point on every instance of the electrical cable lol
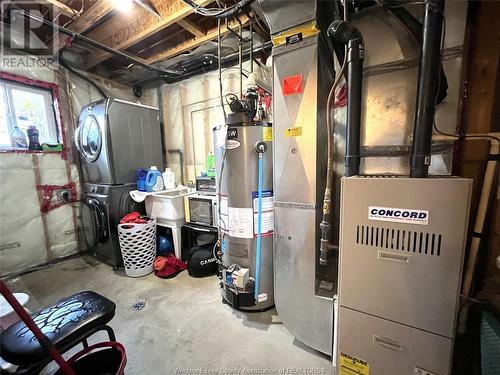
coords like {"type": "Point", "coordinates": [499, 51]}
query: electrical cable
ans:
{"type": "Point", "coordinates": [76, 15]}
{"type": "Point", "coordinates": [221, 232]}
{"type": "Point", "coordinates": [63, 62]}
{"type": "Point", "coordinates": [219, 13]}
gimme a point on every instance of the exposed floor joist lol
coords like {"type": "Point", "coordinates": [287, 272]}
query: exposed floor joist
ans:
{"type": "Point", "coordinates": [195, 42]}
{"type": "Point", "coordinates": [142, 26]}
{"type": "Point", "coordinates": [92, 15]}
{"type": "Point", "coordinates": [59, 6]}
{"type": "Point", "coordinates": [87, 19]}
{"type": "Point", "coordinates": [191, 27]}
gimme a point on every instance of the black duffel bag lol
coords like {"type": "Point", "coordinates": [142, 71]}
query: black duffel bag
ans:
{"type": "Point", "coordinates": [202, 261]}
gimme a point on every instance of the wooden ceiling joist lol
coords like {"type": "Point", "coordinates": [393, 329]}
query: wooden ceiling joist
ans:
{"type": "Point", "coordinates": [191, 27]}
{"type": "Point", "coordinates": [59, 6]}
{"type": "Point", "coordinates": [92, 15]}
{"type": "Point", "coordinates": [88, 18]}
{"type": "Point", "coordinates": [195, 42]}
{"type": "Point", "coordinates": [142, 25]}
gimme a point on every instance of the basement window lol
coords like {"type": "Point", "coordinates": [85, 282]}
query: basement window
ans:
{"type": "Point", "coordinates": [26, 113]}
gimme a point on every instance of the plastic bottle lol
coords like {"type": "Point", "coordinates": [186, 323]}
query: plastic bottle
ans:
{"type": "Point", "coordinates": [168, 179]}
{"type": "Point", "coordinates": [154, 181]}
{"type": "Point", "coordinates": [210, 164]}
{"type": "Point", "coordinates": [141, 179]}
{"type": "Point", "coordinates": [18, 138]}
{"type": "Point", "coordinates": [33, 134]}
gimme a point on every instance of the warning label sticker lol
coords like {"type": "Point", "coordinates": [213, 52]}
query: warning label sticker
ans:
{"type": "Point", "coordinates": [267, 215]}
{"type": "Point", "coordinates": [350, 365]}
{"type": "Point", "coordinates": [267, 134]}
{"type": "Point", "coordinates": [293, 132]}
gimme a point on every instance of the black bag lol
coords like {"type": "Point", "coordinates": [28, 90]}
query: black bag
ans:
{"type": "Point", "coordinates": [202, 261]}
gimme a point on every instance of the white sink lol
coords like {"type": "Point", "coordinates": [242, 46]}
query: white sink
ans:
{"type": "Point", "coordinates": [172, 193]}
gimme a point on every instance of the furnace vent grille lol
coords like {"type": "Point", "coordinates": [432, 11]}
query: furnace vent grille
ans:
{"type": "Point", "coordinates": [397, 239]}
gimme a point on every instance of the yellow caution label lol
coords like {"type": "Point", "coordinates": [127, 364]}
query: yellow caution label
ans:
{"type": "Point", "coordinates": [350, 365]}
{"type": "Point", "coordinates": [296, 34]}
{"type": "Point", "coordinates": [267, 134]}
{"type": "Point", "coordinates": [293, 132]}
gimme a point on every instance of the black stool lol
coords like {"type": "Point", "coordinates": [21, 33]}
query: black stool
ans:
{"type": "Point", "coordinates": [69, 322]}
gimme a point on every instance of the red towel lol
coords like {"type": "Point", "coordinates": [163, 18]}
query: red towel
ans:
{"type": "Point", "coordinates": [168, 266]}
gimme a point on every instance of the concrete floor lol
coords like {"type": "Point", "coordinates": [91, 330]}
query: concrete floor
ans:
{"type": "Point", "coordinates": [184, 325]}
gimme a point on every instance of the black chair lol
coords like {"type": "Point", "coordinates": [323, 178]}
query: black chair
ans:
{"type": "Point", "coordinates": [69, 322]}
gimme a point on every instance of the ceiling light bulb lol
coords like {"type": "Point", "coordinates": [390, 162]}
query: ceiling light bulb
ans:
{"type": "Point", "coordinates": [122, 5]}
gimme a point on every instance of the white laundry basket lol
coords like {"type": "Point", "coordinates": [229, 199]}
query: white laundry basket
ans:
{"type": "Point", "coordinates": [138, 247]}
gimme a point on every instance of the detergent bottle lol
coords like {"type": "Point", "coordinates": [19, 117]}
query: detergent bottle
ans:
{"type": "Point", "coordinates": [141, 179]}
{"type": "Point", "coordinates": [168, 179]}
{"type": "Point", "coordinates": [154, 181]}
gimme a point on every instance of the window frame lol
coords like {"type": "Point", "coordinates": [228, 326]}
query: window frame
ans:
{"type": "Point", "coordinates": [53, 89]}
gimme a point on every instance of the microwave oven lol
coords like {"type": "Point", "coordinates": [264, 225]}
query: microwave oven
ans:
{"type": "Point", "coordinates": [202, 210]}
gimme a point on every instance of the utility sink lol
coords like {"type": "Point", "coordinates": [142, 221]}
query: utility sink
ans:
{"type": "Point", "coordinates": [167, 205]}
{"type": "Point", "coordinates": [172, 193]}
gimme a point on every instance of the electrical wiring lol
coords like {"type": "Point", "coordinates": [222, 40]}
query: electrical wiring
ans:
{"type": "Point", "coordinates": [221, 233]}
{"type": "Point", "coordinates": [76, 15]}
{"type": "Point", "coordinates": [218, 12]}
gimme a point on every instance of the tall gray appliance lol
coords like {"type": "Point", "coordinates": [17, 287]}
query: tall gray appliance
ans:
{"type": "Point", "coordinates": [239, 149]}
{"type": "Point", "coordinates": [306, 290]}
{"type": "Point", "coordinates": [115, 138]}
{"type": "Point", "coordinates": [103, 208]}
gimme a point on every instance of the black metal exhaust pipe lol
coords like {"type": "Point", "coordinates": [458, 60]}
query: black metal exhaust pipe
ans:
{"type": "Point", "coordinates": [345, 33]}
{"type": "Point", "coordinates": [427, 89]}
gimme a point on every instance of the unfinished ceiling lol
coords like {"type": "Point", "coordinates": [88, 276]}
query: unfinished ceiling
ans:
{"type": "Point", "coordinates": [150, 38]}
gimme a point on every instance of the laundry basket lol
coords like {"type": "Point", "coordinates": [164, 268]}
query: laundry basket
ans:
{"type": "Point", "coordinates": [138, 247]}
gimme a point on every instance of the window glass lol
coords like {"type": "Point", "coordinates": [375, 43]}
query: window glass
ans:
{"type": "Point", "coordinates": [4, 118]}
{"type": "Point", "coordinates": [31, 110]}
{"type": "Point", "coordinates": [27, 118]}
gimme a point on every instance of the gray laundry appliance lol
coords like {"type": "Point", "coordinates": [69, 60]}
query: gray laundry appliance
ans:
{"type": "Point", "coordinates": [103, 208]}
{"type": "Point", "coordinates": [115, 138]}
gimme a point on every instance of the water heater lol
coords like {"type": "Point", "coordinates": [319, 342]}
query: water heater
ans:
{"type": "Point", "coordinates": [243, 154]}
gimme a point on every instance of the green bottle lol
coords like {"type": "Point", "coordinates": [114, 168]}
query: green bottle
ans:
{"type": "Point", "coordinates": [210, 164]}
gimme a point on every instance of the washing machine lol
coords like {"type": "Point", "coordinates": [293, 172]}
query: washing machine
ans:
{"type": "Point", "coordinates": [103, 207]}
{"type": "Point", "coordinates": [115, 138]}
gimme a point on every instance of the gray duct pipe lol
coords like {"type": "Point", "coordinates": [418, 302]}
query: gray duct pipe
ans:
{"type": "Point", "coordinates": [342, 32]}
{"type": "Point", "coordinates": [427, 89]}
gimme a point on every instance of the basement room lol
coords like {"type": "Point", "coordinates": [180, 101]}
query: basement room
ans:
{"type": "Point", "coordinates": [249, 187]}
